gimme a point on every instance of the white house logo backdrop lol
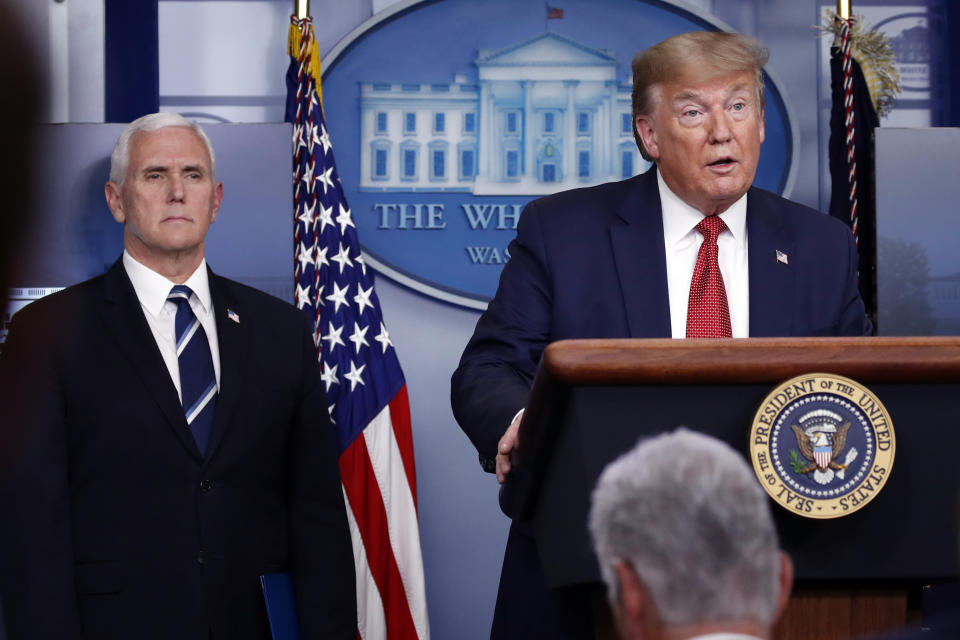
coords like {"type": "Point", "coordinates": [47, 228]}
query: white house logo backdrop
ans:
{"type": "Point", "coordinates": [448, 117]}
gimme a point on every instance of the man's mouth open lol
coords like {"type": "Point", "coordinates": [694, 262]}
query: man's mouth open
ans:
{"type": "Point", "coordinates": [722, 163]}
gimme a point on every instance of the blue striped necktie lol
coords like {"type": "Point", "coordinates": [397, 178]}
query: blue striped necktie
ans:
{"type": "Point", "coordinates": [198, 382]}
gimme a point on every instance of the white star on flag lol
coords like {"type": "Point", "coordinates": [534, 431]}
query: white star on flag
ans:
{"type": "Point", "coordinates": [321, 258]}
{"type": "Point", "coordinates": [324, 139]}
{"type": "Point", "coordinates": [329, 375]}
{"type": "Point", "coordinates": [333, 337]}
{"type": "Point", "coordinates": [304, 257]}
{"type": "Point", "coordinates": [344, 219]}
{"type": "Point", "coordinates": [307, 216]}
{"type": "Point", "coordinates": [363, 298]}
{"type": "Point", "coordinates": [359, 337]}
{"type": "Point", "coordinates": [383, 338]}
{"type": "Point", "coordinates": [343, 257]}
{"type": "Point", "coordinates": [325, 218]}
{"type": "Point", "coordinates": [302, 296]}
{"type": "Point", "coordinates": [324, 179]}
{"type": "Point", "coordinates": [338, 297]}
{"type": "Point", "coordinates": [308, 177]}
{"type": "Point", "coordinates": [354, 375]}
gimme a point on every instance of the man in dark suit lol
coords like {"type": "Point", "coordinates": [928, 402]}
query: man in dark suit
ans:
{"type": "Point", "coordinates": [168, 444]}
{"type": "Point", "coordinates": [628, 259]}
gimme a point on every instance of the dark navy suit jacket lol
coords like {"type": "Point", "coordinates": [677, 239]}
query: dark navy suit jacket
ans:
{"type": "Point", "coordinates": [590, 263]}
{"type": "Point", "coordinates": [114, 526]}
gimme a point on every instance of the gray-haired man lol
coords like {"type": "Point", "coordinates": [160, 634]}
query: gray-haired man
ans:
{"type": "Point", "coordinates": [686, 542]}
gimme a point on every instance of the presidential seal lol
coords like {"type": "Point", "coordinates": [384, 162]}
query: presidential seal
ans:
{"type": "Point", "coordinates": [822, 445]}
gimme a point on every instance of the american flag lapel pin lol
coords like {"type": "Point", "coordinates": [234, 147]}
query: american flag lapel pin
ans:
{"type": "Point", "coordinates": [782, 257]}
{"type": "Point", "coordinates": [233, 315]}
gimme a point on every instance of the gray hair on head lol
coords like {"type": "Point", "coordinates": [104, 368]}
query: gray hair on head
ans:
{"type": "Point", "coordinates": [120, 157]}
{"type": "Point", "coordinates": [687, 513]}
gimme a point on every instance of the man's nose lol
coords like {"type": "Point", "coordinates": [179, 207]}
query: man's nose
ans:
{"type": "Point", "coordinates": [719, 127]}
{"type": "Point", "coordinates": [175, 185]}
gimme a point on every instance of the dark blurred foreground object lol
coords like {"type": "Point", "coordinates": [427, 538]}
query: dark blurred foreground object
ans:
{"type": "Point", "coordinates": [19, 110]}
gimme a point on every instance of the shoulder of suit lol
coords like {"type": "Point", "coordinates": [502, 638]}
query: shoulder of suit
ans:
{"type": "Point", "coordinates": [586, 203]}
{"type": "Point", "coordinates": [69, 302]}
{"type": "Point", "coordinates": [252, 300]}
{"type": "Point", "coordinates": [796, 215]}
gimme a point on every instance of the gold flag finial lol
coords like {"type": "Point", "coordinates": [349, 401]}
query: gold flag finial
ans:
{"type": "Point", "coordinates": [303, 8]}
{"type": "Point", "coordinates": [843, 9]}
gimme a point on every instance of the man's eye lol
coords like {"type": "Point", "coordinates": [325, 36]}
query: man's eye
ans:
{"type": "Point", "coordinates": [739, 106]}
{"type": "Point", "coordinates": [691, 113]}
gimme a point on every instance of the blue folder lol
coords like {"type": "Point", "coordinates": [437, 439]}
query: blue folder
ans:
{"type": "Point", "coordinates": [281, 606]}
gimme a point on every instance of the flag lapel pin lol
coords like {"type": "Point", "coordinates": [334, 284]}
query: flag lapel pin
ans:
{"type": "Point", "coordinates": [233, 315]}
{"type": "Point", "coordinates": [782, 257]}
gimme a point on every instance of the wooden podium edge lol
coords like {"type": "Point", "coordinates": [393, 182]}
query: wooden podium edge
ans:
{"type": "Point", "coordinates": [751, 360]}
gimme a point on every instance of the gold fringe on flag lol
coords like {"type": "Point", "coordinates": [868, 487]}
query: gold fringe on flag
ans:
{"type": "Point", "coordinates": [872, 51]}
{"type": "Point", "coordinates": [298, 30]}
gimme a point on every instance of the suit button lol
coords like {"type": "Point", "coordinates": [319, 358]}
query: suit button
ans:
{"type": "Point", "coordinates": [202, 557]}
{"type": "Point", "coordinates": [206, 485]}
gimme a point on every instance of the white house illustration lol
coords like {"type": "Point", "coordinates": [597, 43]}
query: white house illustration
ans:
{"type": "Point", "coordinates": [546, 114]}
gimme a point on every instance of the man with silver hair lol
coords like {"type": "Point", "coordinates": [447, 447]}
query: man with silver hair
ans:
{"type": "Point", "coordinates": [686, 543]}
{"type": "Point", "coordinates": [169, 440]}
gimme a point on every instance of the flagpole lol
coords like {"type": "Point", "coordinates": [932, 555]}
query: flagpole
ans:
{"type": "Point", "coordinates": [844, 9]}
{"type": "Point", "coordinates": [302, 8]}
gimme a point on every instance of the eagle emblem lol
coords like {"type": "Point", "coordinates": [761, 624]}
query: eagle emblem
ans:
{"type": "Point", "coordinates": [822, 445]}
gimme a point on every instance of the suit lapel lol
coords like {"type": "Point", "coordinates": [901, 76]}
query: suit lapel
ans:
{"type": "Point", "coordinates": [124, 319]}
{"type": "Point", "coordinates": [772, 281]}
{"type": "Point", "coordinates": [640, 259]}
{"type": "Point", "coordinates": [233, 338]}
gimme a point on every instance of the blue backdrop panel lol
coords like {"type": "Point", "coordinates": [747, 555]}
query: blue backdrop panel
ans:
{"type": "Point", "coordinates": [918, 267]}
{"type": "Point", "coordinates": [76, 238]}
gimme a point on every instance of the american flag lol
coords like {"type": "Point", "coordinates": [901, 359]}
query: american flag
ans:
{"type": "Point", "coordinates": [365, 389]}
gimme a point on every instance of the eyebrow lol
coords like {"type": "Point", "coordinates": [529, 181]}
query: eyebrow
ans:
{"type": "Point", "coordinates": [689, 94]}
{"type": "Point", "coordinates": [159, 168]}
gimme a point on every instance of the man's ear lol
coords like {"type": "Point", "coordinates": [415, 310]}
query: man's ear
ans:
{"type": "Point", "coordinates": [217, 199]}
{"type": "Point", "coordinates": [112, 191]}
{"type": "Point", "coordinates": [648, 134]}
{"type": "Point", "coordinates": [636, 610]}
{"type": "Point", "coordinates": [785, 584]}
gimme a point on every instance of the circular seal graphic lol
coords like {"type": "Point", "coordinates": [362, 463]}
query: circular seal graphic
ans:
{"type": "Point", "coordinates": [822, 445]}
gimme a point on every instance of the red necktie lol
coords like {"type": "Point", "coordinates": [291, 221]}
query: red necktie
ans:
{"type": "Point", "coordinates": [708, 315]}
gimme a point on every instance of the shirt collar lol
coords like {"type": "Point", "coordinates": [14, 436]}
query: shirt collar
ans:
{"type": "Point", "coordinates": [679, 218]}
{"type": "Point", "coordinates": [152, 288]}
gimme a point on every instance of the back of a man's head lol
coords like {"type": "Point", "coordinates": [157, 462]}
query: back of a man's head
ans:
{"type": "Point", "coordinates": [685, 513]}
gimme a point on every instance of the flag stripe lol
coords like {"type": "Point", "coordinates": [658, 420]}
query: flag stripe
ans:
{"type": "Point", "coordinates": [371, 624]}
{"type": "Point", "coordinates": [363, 491]}
{"type": "Point", "coordinates": [387, 467]}
{"type": "Point", "coordinates": [400, 416]}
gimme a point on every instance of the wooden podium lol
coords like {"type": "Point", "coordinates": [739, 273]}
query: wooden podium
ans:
{"type": "Point", "coordinates": [592, 400]}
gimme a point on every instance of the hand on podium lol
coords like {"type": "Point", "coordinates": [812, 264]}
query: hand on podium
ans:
{"type": "Point", "coordinates": [506, 445]}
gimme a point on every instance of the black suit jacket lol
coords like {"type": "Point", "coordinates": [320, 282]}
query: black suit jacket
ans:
{"type": "Point", "coordinates": [591, 263]}
{"type": "Point", "coordinates": [114, 525]}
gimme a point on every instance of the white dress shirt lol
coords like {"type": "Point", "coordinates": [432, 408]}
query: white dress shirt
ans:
{"type": "Point", "coordinates": [152, 290]}
{"type": "Point", "coordinates": [682, 243]}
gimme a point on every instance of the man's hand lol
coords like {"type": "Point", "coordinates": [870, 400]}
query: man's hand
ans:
{"type": "Point", "coordinates": [505, 446]}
